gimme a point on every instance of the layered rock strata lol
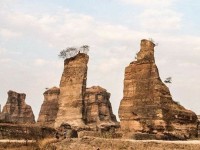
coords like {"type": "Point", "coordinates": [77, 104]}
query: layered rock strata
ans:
{"type": "Point", "coordinates": [49, 108]}
{"type": "Point", "coordinates": [16, 110]}
{"type": "Point", "coordinates": [147, 105]}
{"type": "Point", "coordinates": [98, 109]}
{"type": "Point", "coordinates": [72, 91]}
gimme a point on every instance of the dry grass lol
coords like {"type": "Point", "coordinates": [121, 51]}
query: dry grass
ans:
{"type": "Point", "coordinates": [18, 146]}
{"type": "Point", "coordinates": [117, 144]}
{"type": "Point", "coordinates": [43, 143]}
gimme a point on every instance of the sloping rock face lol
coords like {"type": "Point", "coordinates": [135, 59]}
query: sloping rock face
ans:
{"type": "Point", "coordinates": [72, 91]}
{"type": "Point", "coordinates": [49, 108]}
{"type": "Point", "coordinates": [98, 108]}
{"type": "Point", "coordinates": [16, 110]}
{"type": "Point", "coordinates": [147, 105]}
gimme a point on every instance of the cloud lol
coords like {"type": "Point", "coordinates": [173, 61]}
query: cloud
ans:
{"type": "Point", "coordinates": [150, 3]}
{"type": "Point", "coordinates": [40, 62]}
{"type": "Point", "coordinates": [6, 33]}
{"type": "Point", "coordinates": [2, 50]}
{"type": "Point", "coordinates": [160, 20]}
{"type": "Point", "coordinates": [5, 60]}
{"type": "Point", "coordinates": [157, 15]}
{"type": "Point", "coordinates": [63, 28]}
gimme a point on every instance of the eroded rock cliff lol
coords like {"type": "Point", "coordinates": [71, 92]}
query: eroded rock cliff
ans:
{"type": "Point", "coordinates": [147, 105]}
{"type": "Point", "coordinates": [16, 110]}
{"type": "Point", "coordinates": [49, 108]}
{"type": "Point", "coordinates": [98, 109]}
{"type": "Point", "coordinates": [72, 91]}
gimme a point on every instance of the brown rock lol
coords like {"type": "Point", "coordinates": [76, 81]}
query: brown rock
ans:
{"type": "Point", "coordinates": [147, 105]}
{"type": "Point", "coordinates": [49, 108]}
{"type": "Point", "coordinates": [72, 91]}
{"type": "Point", "coordinates": [98, 109]}
{"type": "Point", "coordinates": [16, 110]}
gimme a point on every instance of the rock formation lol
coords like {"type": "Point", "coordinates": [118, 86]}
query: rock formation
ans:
{"type": "Point", "coordinates": [147, 105]}
{"type": "Point", "coordinates": [49, 108]}
{"type": "Point", "coordinates": [72, 91]}
{"type": "Point", "coordinates": [16, 110]}
{"type": "Point", "coordinates": [98, 108]}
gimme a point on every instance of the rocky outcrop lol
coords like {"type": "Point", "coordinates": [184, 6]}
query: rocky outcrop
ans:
{"type": "Point", "coordinates": [72, 91]}
{"type": "Point", "coordinates": [147, 105]}
{"type": "Point", "coordinates": [24, 131]}
{"type": "Point", "coordinates": [98, 109]}
{"type": "Point", "coordinates": [49, 108]}
{"type": "Point", "coordinates": [16, 110]}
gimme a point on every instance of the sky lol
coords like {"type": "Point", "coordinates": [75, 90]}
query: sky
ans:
{"type": "Point", "coordinates": [33, 32]}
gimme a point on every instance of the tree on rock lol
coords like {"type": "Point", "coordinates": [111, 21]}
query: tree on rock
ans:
{"type": "Point", "coordinates": [168, 80]}
{"type": "Point", "coordinates": [73, 51]}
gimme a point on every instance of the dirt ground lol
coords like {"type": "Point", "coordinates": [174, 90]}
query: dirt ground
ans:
{"type": "Point", "coordinates": [121, 144]}
{"type": "Point", "coordinates": [90, 143]}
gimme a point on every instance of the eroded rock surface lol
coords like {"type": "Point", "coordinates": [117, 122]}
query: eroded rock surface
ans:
{"type": "Point", "coordinates": [72, 91]}
{"type": "Point", "coordinates": [98, 109]}
{"type": "Point", "coordinates": [49, 108]}
{"type": "Point", "coordinates": [147, 105]}
{"type": "Point", "coordinates": [16, 110]}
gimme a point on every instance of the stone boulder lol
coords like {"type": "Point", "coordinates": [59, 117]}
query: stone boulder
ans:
{"type": "Point", "coordinates": [72, 91]}
{"type": "Point", "coordinates": [147, 105]}
{"type": "Point", "coordinates": [16, 110]}
{"type": "Point", "coordinates": [49, 108]}
{"type": "Point", "coordinates": [98, 109]}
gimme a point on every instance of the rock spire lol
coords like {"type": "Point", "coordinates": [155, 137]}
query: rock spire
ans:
{"type": "Point", "coordinates": [72, 91]}
{"type": "Point", "coordinates": [147, 105]}
{"type": "Point", "coordinates": [49, 108]}
{"type": "Point", "coordinates": [16, 110]}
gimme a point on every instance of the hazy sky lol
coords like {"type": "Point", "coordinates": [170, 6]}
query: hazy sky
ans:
{"type": "Point", "coordinates": [33, 32]}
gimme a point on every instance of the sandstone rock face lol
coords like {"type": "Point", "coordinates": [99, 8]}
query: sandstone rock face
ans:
{"type": "Point", "coordinates": [147, 105]}
{"type": "Point", "coordinates": [49, 108]}
{"type": "Point", "coordinates": [98, 108]}
{"type": "Point", "coordinates": [16, 110]}
{"type": "Point", "coordinates": [72, 91]}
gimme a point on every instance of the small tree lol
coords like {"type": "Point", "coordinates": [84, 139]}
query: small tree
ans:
{"type": "Point", "coordinates": [150, 39]}
{"type": "Point", "coordinates": [73, 51]}
{"type": "Point", "coordinates": [84, 49]}
{"type": "Point", "coordinates": [168, 80]}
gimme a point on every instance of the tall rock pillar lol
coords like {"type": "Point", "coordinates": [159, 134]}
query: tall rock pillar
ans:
{"type": "Point", "coordinates": [49, 108]}
{"type": "Point", "coordinates": [147, 105]}
{"type": "Point", "coordinates": [72, 91]}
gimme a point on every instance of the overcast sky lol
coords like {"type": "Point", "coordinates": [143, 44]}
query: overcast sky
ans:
{"type": "Point", "coordinates": [33, 32]}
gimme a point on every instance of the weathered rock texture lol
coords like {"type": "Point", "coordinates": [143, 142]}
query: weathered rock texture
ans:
{"type": "Point", "coordinates": [72, 91]}
{"type": "Point", "coordinates": [147, 105]}
{"type": "Point", "coordinates": [16, 110]}
{"type": "Point", "coordinates": [49, 108]}
{"type": "Point", "coordinates": [98, 108]}
{"type": "Point", "coordinates": [25, 131]}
